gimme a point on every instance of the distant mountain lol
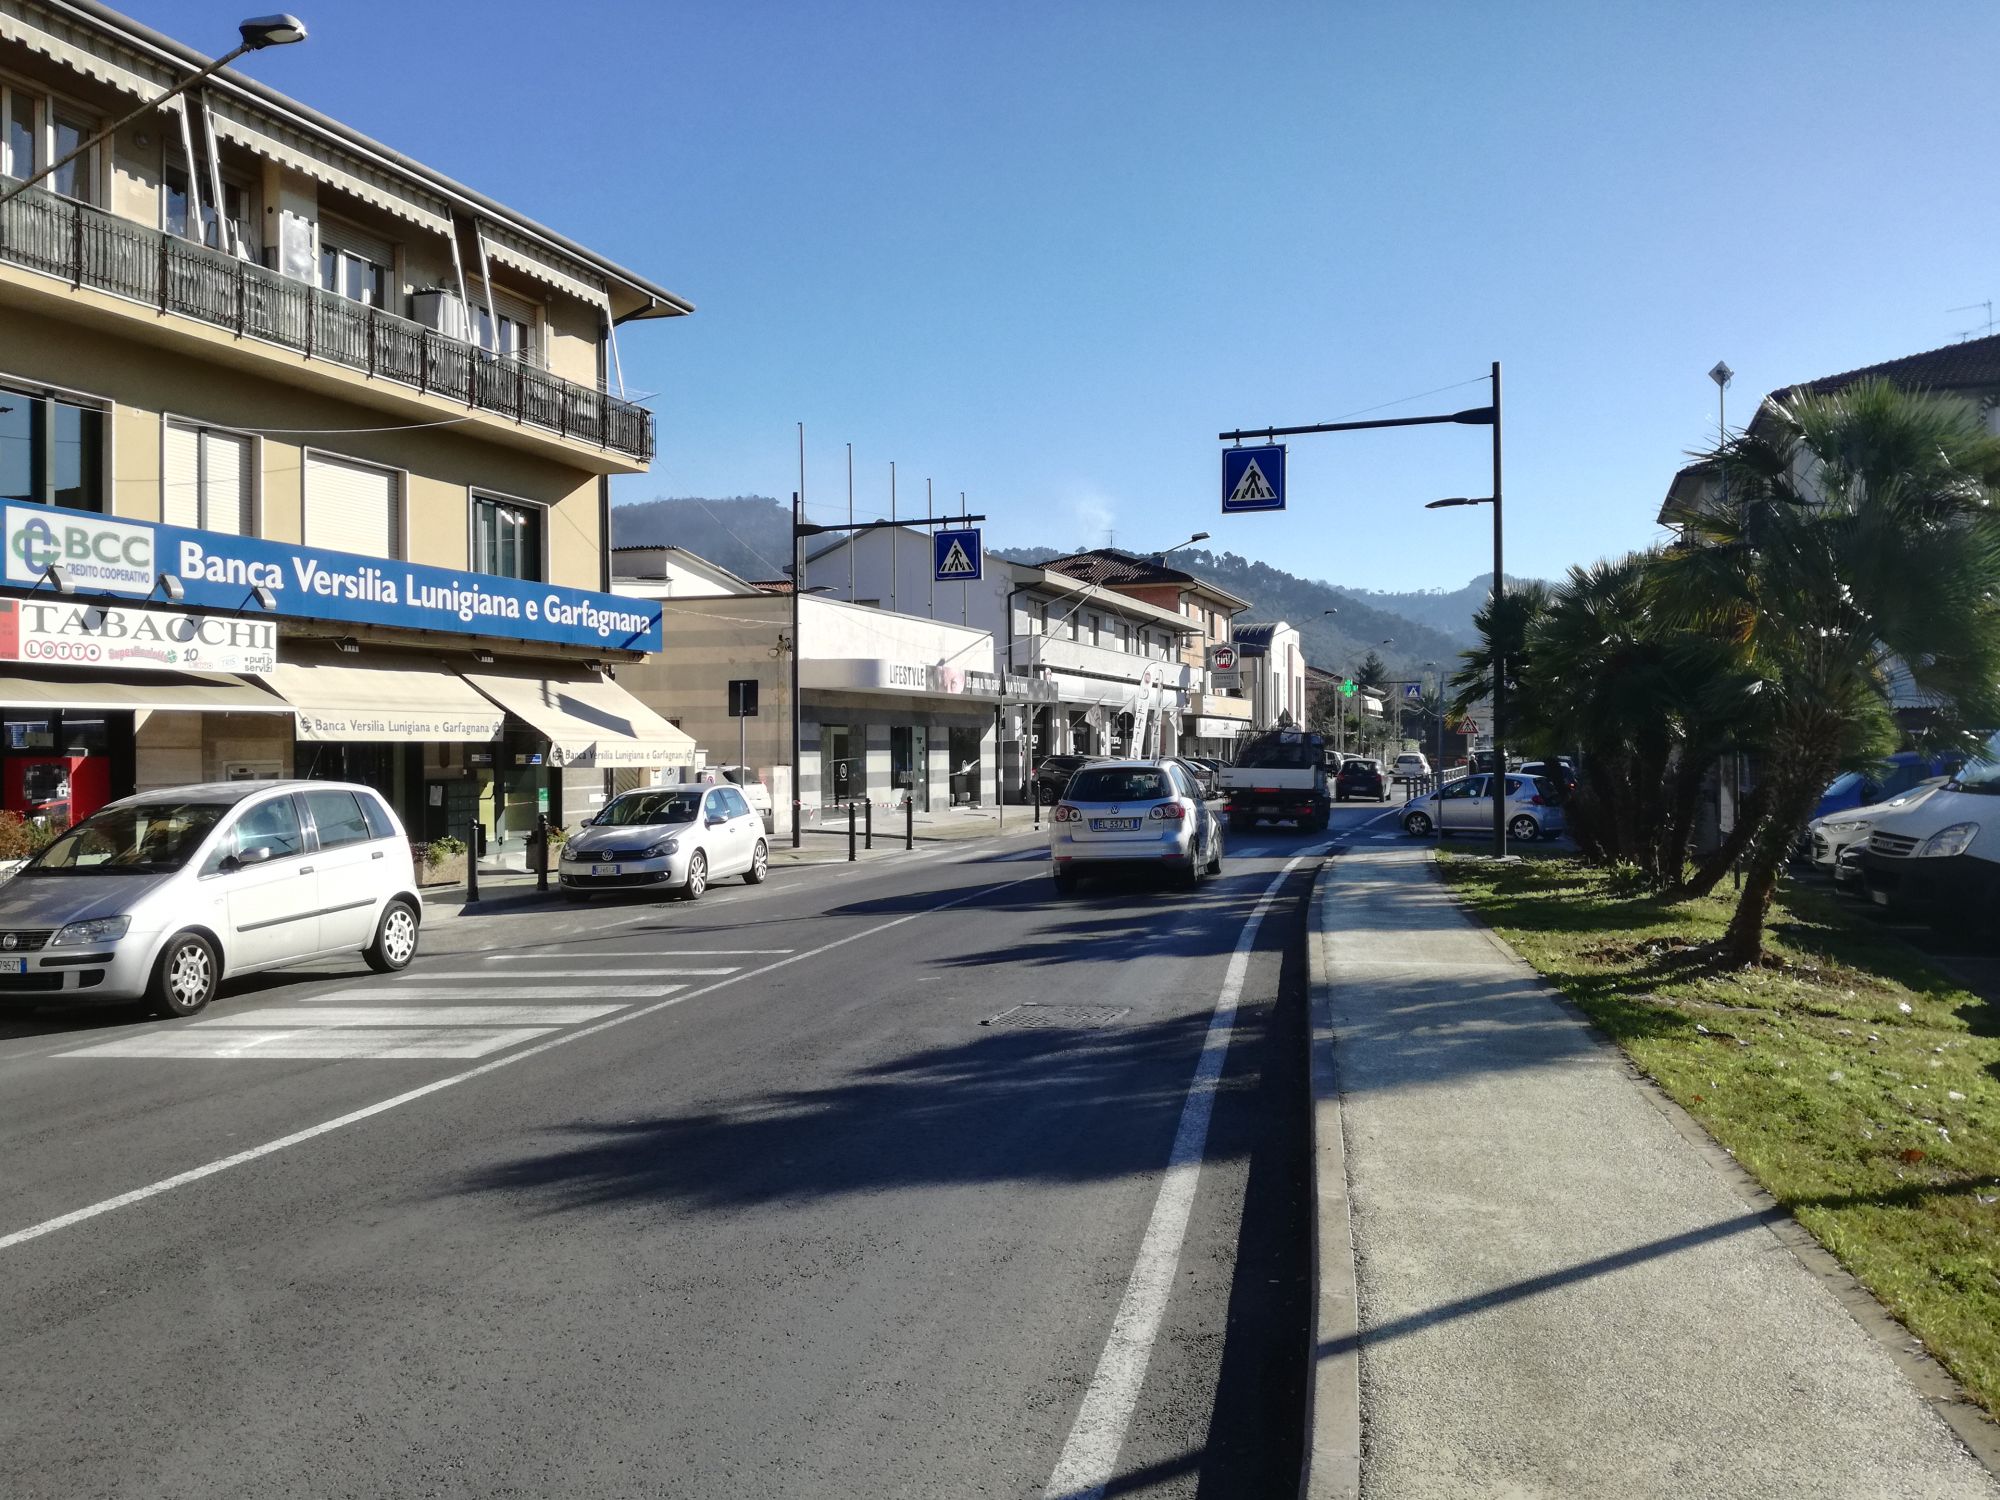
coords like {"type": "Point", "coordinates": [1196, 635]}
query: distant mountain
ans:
{"type": "Point", "coordinates": [750, 535]}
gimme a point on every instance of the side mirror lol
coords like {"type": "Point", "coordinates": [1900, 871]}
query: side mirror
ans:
{"type": "Point", "coordinates": [256, 854]}
{"type": "Point", "coordinates": [716, 820]}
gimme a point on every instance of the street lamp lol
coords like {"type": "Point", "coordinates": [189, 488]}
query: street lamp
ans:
{"type": "Point", "coordinates": [258, 33]}
{"type": "Point", "coordinates": [1499, 666]}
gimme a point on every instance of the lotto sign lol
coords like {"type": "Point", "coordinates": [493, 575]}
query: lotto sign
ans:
{"type": "Point", "coordinates": [1253, 478]}
{"type": "Point", "coordinates": [63, 632]}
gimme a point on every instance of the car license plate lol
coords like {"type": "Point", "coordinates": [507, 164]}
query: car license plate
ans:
{"type": "Point", "coordinates": [1113, 825]}
{"type": "Point", "coordinates": [16, 966]}
{"type": "Point", "coordinates": [605, 869]}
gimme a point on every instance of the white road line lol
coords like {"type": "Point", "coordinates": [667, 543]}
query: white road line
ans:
{"type": "Point", "coordinates": [551, 958]}
{"type": "Point", "coordinates": [397, 1101]}
{"type": "Point", "coordinates": [412, 1015]}
{"type": "Point", "coordinates": [468, 991]}
{"type": "Point", "coordinates": [236, 1044]}
{"type": "Point", "coordinates": [1088, 1457]}
{"type": "Point", "coordinates": [477, 979]}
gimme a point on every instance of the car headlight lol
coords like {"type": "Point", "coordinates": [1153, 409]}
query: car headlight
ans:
{"type": "Point", "coordinates": [1948, 841]}
{"type": "Point", "coordinates": [1846, 825]}
{"type": "Point", "coordinates": [96, 930]}
{"type": "Point", "coordinates": [663, 849]}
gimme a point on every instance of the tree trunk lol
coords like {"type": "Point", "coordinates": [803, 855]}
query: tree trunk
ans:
{"type": "Point", "coordinates": [1749, 818]}
{"type": "Point", "coordinates": [1794, 791]}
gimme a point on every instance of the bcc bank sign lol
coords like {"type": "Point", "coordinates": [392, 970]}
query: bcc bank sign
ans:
{"type": "Point", "coordinates": [96, 553]}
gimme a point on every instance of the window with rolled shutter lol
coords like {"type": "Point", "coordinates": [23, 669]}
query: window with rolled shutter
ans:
{"type": "Point", "coordinates": [352, 507]}
{"type": "Point", "coordinates": [205, 479]}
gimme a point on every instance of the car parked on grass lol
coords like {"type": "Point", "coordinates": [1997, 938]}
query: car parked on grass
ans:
{"type": "Point", "coordinates": [165, 895]}
{"type": "Point", "coordinates": [1052, 774]}
{"type": "Point", "coordinates": [1466, 806]}
{"type": "Point", "coordinates": [670, 838]}
{"type": "Point", "coordinates": [1360, 776]}
{"type": "Point", "coordinates": [1133, 815]}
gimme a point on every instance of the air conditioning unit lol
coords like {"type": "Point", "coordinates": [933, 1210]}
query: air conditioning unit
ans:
{"type": "Point", "coordinates": [440, 309]}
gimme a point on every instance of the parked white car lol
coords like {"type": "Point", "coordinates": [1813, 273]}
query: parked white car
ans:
{"type": "Point", "coordinates": [1939, 858]}
{"type": "Point", "coordinates": [1133, 815]}
{"type": "Point", "coordinates": [1410, 767]}
{"type": "Point", "coordinates": [745, 780]}
{"type": "Point", "coordinates": [166, 894]}
{"type": "Point", "coordinates": [1466, 806]}
{"type": "Point", "coordinates": [675, 838]}
{"type": "Point", "coordinates": [1829, 837]}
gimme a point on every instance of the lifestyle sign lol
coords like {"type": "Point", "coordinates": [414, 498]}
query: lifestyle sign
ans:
{"type": "Point", "coordinates": [217, 570]}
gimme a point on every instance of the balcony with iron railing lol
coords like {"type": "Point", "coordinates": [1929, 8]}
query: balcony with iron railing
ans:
{"type": "Point", "coordinates": [87, 247]}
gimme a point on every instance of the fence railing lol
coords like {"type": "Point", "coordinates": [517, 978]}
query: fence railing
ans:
{"type": "Point", "coordinates": [90, 248]}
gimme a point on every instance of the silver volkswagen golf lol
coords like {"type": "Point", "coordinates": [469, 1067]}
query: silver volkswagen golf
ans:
{"type": "Point", "coordinates": [164, 895]}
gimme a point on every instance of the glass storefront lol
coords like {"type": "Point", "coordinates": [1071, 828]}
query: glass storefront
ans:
{"type": "Point", "coordinates": [910, 763]}
{"type": "Point", "coordinates": [843, 765]}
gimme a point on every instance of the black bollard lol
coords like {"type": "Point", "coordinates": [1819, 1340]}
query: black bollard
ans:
{"type": "Point", "coordinates": [868, 825]}
{"type": "Point", "coordinates": [909, 820]}
{"type": "Point", "coordinates": [1035, 791]}
{"type": "Point", "coordinates": [472, 860]}
{"type": "Point", "coordinates": [850, 831]}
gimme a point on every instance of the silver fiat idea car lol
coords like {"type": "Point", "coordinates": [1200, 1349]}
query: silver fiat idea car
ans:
{"type": "Point", "coordinates": [164, 895]}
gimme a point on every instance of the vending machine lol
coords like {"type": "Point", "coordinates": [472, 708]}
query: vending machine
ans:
{"type": "Point", "coordinates": [55, 789]}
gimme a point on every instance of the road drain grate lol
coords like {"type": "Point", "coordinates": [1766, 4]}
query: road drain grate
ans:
{"type": "Point", "coordinates": [1066, 1017]}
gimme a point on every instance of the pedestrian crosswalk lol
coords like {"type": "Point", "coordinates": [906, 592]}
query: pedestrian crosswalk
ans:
{"type": "Point", "coordinates": [475, 1011]}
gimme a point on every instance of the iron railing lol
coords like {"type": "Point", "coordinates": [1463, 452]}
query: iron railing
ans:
{"type": "Point", "coordinates": [90, 248]}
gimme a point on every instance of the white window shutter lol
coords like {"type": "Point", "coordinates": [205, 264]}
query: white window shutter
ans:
{"type": "Point", "coordinates": [180, 477]}
{"type": "Point", "coordinates": [352, 507]}
{"type": "Point", "coordinates": [225, 475]}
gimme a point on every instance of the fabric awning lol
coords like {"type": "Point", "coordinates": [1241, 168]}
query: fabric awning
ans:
{"type": "Point", "coordinates": [589, 720]}
{"type": "Point", "coordinates": [125, 692]}
{"type": "Point", "coordinates": [345, 699]}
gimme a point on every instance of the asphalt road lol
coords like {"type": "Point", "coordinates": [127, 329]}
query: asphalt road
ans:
{"type": "Point", "coordinates": [666, 1199]}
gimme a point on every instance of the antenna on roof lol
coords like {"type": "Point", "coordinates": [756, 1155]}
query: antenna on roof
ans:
{"type": "Point", "coordinates": [1987, 308]}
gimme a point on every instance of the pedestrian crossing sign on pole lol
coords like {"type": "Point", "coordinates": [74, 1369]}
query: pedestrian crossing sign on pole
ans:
{"type": "Point", "coordinates": [957, 556]}
{"type": "Point", "coordinates": [1253, 478]}
{"type": "Point", "coordinates": [1413, 690]}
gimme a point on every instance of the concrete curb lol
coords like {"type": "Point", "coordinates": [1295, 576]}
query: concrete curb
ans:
{"type": "Point", "coordinates": [1936, 1385]}
{"type": "Point", "coordinates": [1332, 1468]}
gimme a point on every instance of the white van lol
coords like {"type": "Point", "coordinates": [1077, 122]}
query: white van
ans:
{"type": "Point", "coordinates": [1940, 857]}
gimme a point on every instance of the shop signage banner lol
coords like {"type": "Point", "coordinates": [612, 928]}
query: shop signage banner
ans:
{"type": "Point", "coordinates": [69, 633]}
{"type": "Point", "coordinates": [99, 555]}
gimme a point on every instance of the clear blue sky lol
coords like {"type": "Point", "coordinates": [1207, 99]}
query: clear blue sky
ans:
{"type": "Point", "coordinates": [1043, 253]}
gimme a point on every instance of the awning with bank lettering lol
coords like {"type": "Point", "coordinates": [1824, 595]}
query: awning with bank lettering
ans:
{"type": "Point", "coordinates": [142, 691]}
{"type": "Point", "coordinates": [590, 721]}
{"type": "Point", "coordinates": [344, 699]}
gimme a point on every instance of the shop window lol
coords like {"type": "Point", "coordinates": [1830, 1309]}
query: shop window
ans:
{"type": "Point", "coordinates": [205, 479]}
{"type": "Point", "coordinates": [51, 450]}
{"type": "Point", "coordinates": [506, 538]}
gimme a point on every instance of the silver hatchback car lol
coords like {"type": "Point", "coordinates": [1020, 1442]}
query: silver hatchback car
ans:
{"type": "Point", "coordinates": [166, 894]}
{"type": "Point", "coordinates": [1134, 815]}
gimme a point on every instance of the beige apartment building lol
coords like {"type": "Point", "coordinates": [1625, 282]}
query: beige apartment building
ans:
{"type": "Point", "coordinates": [305, 454]}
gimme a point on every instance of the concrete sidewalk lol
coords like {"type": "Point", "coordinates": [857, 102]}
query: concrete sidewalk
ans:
{"type": "Point", "coordinates": [1559, 1291]}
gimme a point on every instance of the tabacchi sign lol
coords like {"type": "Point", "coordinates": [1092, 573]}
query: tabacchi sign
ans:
{"type": "Point", "coordinates": [62, 632]}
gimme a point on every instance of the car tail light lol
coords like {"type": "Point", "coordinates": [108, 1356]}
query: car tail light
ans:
{"type": "Point", "coordinates": [1064, 813]}
{"type": "Point", "coordinates": [1536, 800]}
{"type": "Point", "coordinates": [1168, 812]}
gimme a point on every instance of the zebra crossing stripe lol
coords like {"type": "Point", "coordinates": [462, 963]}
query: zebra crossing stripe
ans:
{"type": "Point", "coordinates": [485, 980]}
{"type": "Point", "coordinates": [266, 1017]}
{"type": "Point", "coordinates": [470, 990]}
{"type": "Point", "coordinates": [557, 958]}
{"type": "Point", "coordinates": [318, 1044]}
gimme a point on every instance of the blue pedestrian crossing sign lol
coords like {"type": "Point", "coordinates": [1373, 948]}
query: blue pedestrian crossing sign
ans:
{"type": "Point", "coordinates": [1253, 478]}
{"type": "Point", "coordinates": [956, 556]}
{"type": "Point", "coordinates": [1413, 690]}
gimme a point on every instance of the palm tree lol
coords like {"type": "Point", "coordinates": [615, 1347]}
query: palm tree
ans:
{"type": "Point", "coordinates": [1519, 607]}
{"type": "Point", "coordinates": [1856, 532]}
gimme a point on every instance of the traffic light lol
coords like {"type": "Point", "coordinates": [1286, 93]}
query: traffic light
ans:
{"type": "Point", "coordinates": [1347, 687]}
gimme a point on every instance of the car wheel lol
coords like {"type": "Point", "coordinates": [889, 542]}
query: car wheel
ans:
{"type": "Point", "coordinates": [185, 978]}
{"type": "Point", "coordinates": [1417, 825]}
{"type": "Point", "coordinates": [697, 878]}
{"type": "Point", "coordinates": [1215, 850]}
{"type": "Point", "coordinates": [1523, 829]}
{"type": "Point", "coordinates": [760, 865]}
{"type": "Point", "coordinates": [395, 939]}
